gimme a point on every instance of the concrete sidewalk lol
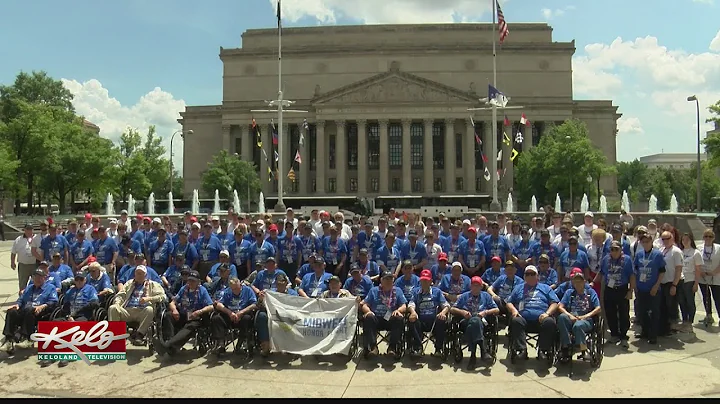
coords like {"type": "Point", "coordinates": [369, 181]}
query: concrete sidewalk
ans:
{"type": "Point", "coordinates": [682, 366]}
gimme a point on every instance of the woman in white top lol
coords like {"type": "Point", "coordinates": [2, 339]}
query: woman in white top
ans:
{"type": "Point", "coordinates": [692, 267]}
{"type": "Point", "coordinates": [710, 280]}
{"type": "Point", "coordinates": [670, 284]}
{"type": "Point", "coordinates": [514, 238]}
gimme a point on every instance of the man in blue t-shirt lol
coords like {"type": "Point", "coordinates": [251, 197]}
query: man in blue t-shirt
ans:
{"type": "Point", "coordinates": [531, 306]}
{"type": "Point", "coordinates": [649, 267]}
{"type": "Point", "coordinates": [428, 312]}
{"type": "Point", "coordinates": [473, 308]}
{"type": "Point", "coordinates": [235, 310]}
{"type": "Point", "coordinates": [618, 278]}
{"type": "Point", "coordinates": [383, 309]}
{"type": "Point", "coordinates": [578, 307]}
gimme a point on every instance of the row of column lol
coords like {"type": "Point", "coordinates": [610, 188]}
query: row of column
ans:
{"type": "Point", "coordinates": [468, 172]}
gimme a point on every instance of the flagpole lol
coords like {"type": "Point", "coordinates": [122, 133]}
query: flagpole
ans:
{"type": "Point", "coordinates": [280, 206]}
{"type": "Point", "coordinates": [495, 204]}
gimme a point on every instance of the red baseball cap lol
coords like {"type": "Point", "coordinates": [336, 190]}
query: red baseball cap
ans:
{"type": "Point", "coordinates": [146, 219]}
{"type": "Point", "coordinates": [472, 230]}
{"type": "Point", "coordinates": [91, 259]}
{"type": "Point", "coordinates": [272, 228]}
{"type": "Point", "coordinates": [476, 279]}
{"type": "Point", "coordinates": [426, 275]}
{"type": "Point", "coordinates": [442, 257]}
{"type": "Point", "coordinates": [496, 258]}
{"type": "Point", "coordinates": [88, 216]}
{"type": "Point", "coordinates": [193, 219]}
{"type": "Point", "coordinates": [576, 271]}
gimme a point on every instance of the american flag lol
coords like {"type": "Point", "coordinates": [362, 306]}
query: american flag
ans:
{"type": "Point", "coordinates": [502, 26]}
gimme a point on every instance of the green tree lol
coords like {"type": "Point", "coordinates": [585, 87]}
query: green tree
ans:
{"type": "Point", "coordinates": [712, 141]}
{"type": "Point", "coordinates": [564, 156]}
{"type": "Point", "coordinates": [129, 172]}
{"type": "Point", "coordinates": [158, 167]}
{"type": "Point", "coordinates": [632, 174]}
{"type": "Point", "coordinates": [26, 110]}
{"type": "Point", "coordinates": [227, 173]}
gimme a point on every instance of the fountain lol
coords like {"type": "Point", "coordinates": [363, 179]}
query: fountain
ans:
{"type": "Point", "coordinates": [151, 204]}
{"type": "Point", "coordinates": [509, 204]}
{"type": "Point", "coordinates": [216, 205]}
{"type": "Point", "coordinates": [236, 202]}
{"type": "Point", "coordinates": [603, 204]}
{"type": "Point", "coordinates": [131, 205]}
{"type": "Point", "coordinates": [652, 204]}
{"type": "Point", "coordinates": [261, 203]}
{"type": "Point", "coordinates": [109, 205]}
{"type": "Point", "coordinates": [195, 203]}
{"type": "Point", "coordinates": [558, 205]}
{"type": "Point", "coordinates": [584, 204]}
{"type": "Point", "coordinates": [171, 204]}
{"type": "Point", "coordinates": [533, 204]}
{"type": "Point", "coordinates": [673, 204]}
{"type": "Point", "coordinates": [625, 202]}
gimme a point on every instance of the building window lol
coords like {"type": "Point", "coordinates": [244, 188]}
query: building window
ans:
{"type": "Point", "coordinates": [479, 164]}
{"type": "Point", "coordinates": [459, 186]}
{"type": "Point", "coordinates": [417, 130]}
{"type": "Point", "coordinates": [238, 146]}
{"type": "Point", "coordinates": [374, 185]}
{"type": "Point", "coordinates": [294, 187]}
{"type": "Point", "coordinates": [417, 184]}
{"type": "Point", "coordinates": [537, 131]}
{"type": "Point", "coordinates": [478, 183]}
{"type": "Point", "coordinates": [458, 150]}
{"type": "Point", "coordinates": [353, 185]}
{"type": "Point", "coordinates": [313, 185]}
{"type": "Point", "coordinates": [331, 155]}
{"type": "Point", "coordinates": [373, 134]}
{"type": "Point", "coordinates": [438, 145]}
{"type": "Point", "coordinates": [437, 184]}
{"type": "Point", "coordinates": [332, 185]}
{"type": "Point", "coordinates": [312, 144]}
{"type": "Point", "coordinates": [352, 146]}
{"type": "Point", "coordinates": [396, 151]}
{"type": "Point", "coordinates": [395, 184]}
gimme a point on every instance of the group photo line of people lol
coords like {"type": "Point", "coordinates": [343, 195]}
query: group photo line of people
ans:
{"type": "Point", "coordinates": [455, 283]}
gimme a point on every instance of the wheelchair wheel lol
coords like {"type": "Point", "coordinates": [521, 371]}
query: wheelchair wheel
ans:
{"type": "Point", "coordinates": [55, 313]}
{"type": "Point", "coordinates": [457, 348]}
{"type": "Point", "coordinates": [100, 314]}
{"type": "Point", "coordinates": [598, 350]}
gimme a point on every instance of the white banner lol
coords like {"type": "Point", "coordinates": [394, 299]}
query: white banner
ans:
{"type": "Point", "coordinates": [303, 326]}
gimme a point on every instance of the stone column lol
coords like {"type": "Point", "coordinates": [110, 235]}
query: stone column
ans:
{"type": "Point", "coordinates": [489, 154]}
{"type": "Point", "coordinates": [384, 157]}
{"type": "Point", "coordinates": [469, 157]}
{"type": "Point", "coordinates": [226, 135]}
{"type": "Point", "coordinates": [527, 137]}
{"type": "Point", "coordinates": [246, 143]}
{"type": "Point", "coordinates": [321, 157]}
{"type": "Point", "coordinates": [362, 177]}
{"type": "Point", "coordinates": [450, 155]}
{"type": "Point", "coordinates": [406, 160]}
{"type": "Point", "coordinates": [428, 166]}
{"type": "Point", "coordinates": [341, 161]}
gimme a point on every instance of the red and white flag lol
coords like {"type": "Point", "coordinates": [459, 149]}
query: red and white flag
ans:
{"type": "Point", "coordinates": [524, 120]}
{"type": "Point", "coordinates": [502, 25]}
{"type": "Point", "coordinates": [297, 157]}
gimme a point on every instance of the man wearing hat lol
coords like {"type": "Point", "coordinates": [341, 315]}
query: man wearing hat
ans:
{"type": "Point", "coordinates": [59, 270]}
{"type": "Point", "coordinates": [72, 230]}
{"type": "Point", "coordinates": [585, 230]}
{"type": "Point", "coordinates": [238, 250]}
{"type": "Point", "coordinates": [455, 283]}
{"type": "Point", "coordinates": [282, 285]}
{"type": "Point", "coordinates": [571, 258]}
{"type": "Point", "coordinates": [314, 283]}
{"type": "Point", "coordinates": [80, 250]}
{"type": "Point", "coordinates": [260, 249]}
{"type": "Point", "coordinates": [186, 248]}
{"type": "Point", "coordinates": [311, 244]}
{"type": "Point", "coordinates": [99, 281]}
{"type": "Point", "coordinates": [383, 309]}
{"type": "Point", "coordinates": [496, 244]}
{"type": "Point", "coordinates": [428, 312]}
{"type": "Point", "coordinates": [414, 251]}
{"type": "Point", "coordinates": [21, 256]}
{"type": "Point", "coordinates": [472, 254]}
{"type": "Point", "coordinates": [531, 306]}
{"type": "Point", "coordinates": [368, 239]}
{"type": "Point", "coordinates": [496, 269]}
{"type": "Point", "coordinates": [475, 308]}
{"type": "Point", "coordinates": [304, 269]}
{"type": "Point", "coordinates": [235, 309]}
{"type": "Point", "coordinates": [451, 244]}
{"type": "Point", "coordinates": [503, 286]}
{"type": "Point", "coordinates": [578, 307]}
{"type": "Point", "coordinates": [388, 256]}
{"type": "Point", "coordinates": [172, 274]}
{"type": "Point", "coordinates": [80, 301]}
{"type": "Point", "coordinates": [618, 279]}
{"type": "Point", "coordinates": [135, 302]}
{"type": "Point", "coordinates": [649, 268]}
{"type": "Point", "coordinates": [335, 251]}
{"type": "Point", "coordinates": [22, 317]}
{"type": "Point", "coordinates": [128, 271]}
{"type": "Point", "coordinates": [215, 270]}
{"type": "Point", "coordinates": [189, 310]}
{"type": "Point", "coordinates": [358, 284]}
{"type": "Point", "coordinates": [219, 283]}
{"type": "Point", "coordinates": [54, 243]}
{"type": "Point", "coordinates": [545, 246]}
{"type": "Point", "coordinates": [160, 251]}
{"type": "Point", "coordinates": [208, 247]}
{"type": "Point", "coordinates": [335, 290]}
{"type": "Point", "coordinates": [616, 234]}
{"type": "Point", "coordinates": [440, 269]}
{"type": "Point", "coordinates": [106, 251]}
{"type": "Point", "coordinates": [267, 278]}
{"type": "Point", "coordinates": [367, 266]}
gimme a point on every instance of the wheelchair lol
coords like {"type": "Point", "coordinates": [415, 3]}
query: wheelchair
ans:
{"type": "Point", "coordinates": [427, 337]}
{"type": "Point", "coordinates": [455, 344]}
{"type": "Point", "coordinates": [152, 331]}
{"type": "Point", "coordinates": [232, 336]}
{"type": "Point", "coordinates": [595, 341]}
{"type": "Point", "coordinates": [202, 339]}
{"type": "Point", "coordinates": [384, 336]}
{"type": "Point", "coordinates": [358, 337]}
{"type": "Point", "coordinates": [532, 338]}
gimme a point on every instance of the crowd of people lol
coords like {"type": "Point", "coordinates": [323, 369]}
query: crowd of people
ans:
{"type": "Point", "coordinates": [545, 276]}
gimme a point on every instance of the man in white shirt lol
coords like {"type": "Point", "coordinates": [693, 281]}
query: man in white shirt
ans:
{"type": "Point", "coordinates": [125, 219]}
{"type": "Point", "coordinates": [290, 217]}
{"type": "Point", "coordinates": [21, 256]}
{"type": "Point", "coordinates": [585, 230]}
{"type": "Point", "coordinates": [555, 228]}
{"type": "Point", "coordinates": [381, 228]}
{"type": "Point", "coordinates": [346, 230]}
{"type": "Point", "coordinates": [670, 284]}
{"type": "Point", "coordinates": [653, 232]}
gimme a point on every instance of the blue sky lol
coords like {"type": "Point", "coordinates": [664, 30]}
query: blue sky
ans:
{"type": "Point", "coordinates": [138, 62]}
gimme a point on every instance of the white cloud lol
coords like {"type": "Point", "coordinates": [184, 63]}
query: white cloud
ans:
{"type": "Point", "coordinates": [629, 125]}
{"type": "Point", "coordinates": [715, 43]}
{"type": "Point", "coordinates": [704, 1]}
{"type": "Point", "coordinates": [550, 13]}
{"type": "Point", "coordinates": [158, 107]}
{"type": "Point", "coordinates": [384, 11]}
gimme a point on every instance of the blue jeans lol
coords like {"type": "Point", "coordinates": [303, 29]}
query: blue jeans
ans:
{"type": "Point", "coordinates": [579, 330]}
{"type": "Point", "coordinates": [261, 325]}
{"type": "Point", "coordinates": [473, 331]}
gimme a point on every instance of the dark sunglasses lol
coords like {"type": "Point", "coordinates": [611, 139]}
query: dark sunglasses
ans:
{"type": "Point", "coordinates": [665, 238]}
{"type": "Point", "coordinates": [708, 237]}
{"type": "Point", "coordinates": [529, 273]}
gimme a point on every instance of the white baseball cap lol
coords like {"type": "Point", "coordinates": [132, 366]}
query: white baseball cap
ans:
{"type": "Point", "coordinates": [225, 253]}
{"type": "Point", "coordinates": [197, 225]}
{"type": "Point", "coordinates": [157, 220]}
{"type": "Point", "coordinates": [141, 268]}
{"type": "Point", "coordinates": [457, 264]}
{"type": "Point", "coordinates": [589, 214]}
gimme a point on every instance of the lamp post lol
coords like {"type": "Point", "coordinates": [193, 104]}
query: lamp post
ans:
{"type": "Point", "coordinates": [699, 181]}
{"type": "Point", "coordinates": [182, 135]}
{"type": "Point", "coordinates": [589, 180]}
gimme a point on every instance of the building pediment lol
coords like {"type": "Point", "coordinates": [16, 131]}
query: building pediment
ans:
{"type": "Point", "coordinates": [395, 87]}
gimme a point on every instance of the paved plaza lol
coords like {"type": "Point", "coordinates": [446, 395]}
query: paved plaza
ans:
{"type": "Point", "coordinates": [684, 366]}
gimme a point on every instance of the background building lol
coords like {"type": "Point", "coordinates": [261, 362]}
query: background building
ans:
{"type": "Point", "coordinates": [388, 109]}
{"type": "Point", "coordinates": [672, 160]}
